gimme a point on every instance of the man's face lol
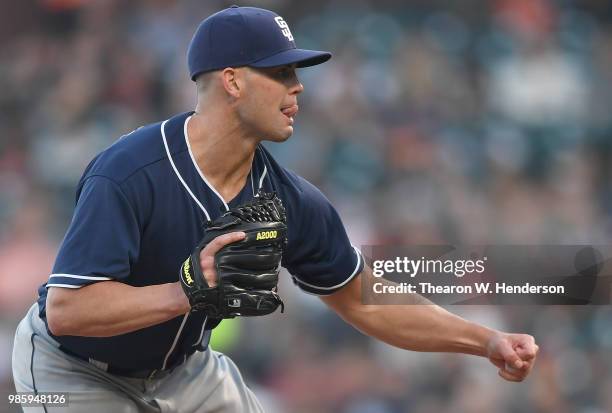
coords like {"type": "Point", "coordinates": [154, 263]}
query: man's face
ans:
{"type": "Point", "coordinates": [268, 104]}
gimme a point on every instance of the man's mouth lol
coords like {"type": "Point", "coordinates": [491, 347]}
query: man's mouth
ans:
{"type": "Point", "coordinates": [290, 111]}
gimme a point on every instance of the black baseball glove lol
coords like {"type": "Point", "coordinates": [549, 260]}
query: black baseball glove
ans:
{"type": "Point", "coordinates": [247, 270]}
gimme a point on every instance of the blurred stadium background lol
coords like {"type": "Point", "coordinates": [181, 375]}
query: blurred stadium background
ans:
{"type": "Point", "coordinates": [464, 122]}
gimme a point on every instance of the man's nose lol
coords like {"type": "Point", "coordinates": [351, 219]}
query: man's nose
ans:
{"type": "Point", "coordinates": [297, 88]}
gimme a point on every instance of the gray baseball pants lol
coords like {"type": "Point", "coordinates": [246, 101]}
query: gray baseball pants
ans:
{"type": "Point", "coordinates": [207, 382]}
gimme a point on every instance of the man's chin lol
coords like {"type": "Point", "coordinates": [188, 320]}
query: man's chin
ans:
{"type": "Point", "coordinates": [282, 136]}
{"type": "Point", "coordinates": [285, 137]}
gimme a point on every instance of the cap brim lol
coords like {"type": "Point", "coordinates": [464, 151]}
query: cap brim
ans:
{"type": "Point", "coordinates": [301, 57]}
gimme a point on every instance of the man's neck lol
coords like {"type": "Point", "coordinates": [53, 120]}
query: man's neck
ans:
{"type": "Point", "coordinates": [223, 152]}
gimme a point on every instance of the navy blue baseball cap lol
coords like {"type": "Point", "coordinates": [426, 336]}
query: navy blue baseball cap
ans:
{"type": "Point", "coordinates": [246, 36]}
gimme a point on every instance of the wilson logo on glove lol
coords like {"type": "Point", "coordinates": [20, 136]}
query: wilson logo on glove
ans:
{"type": "Point", "coordinates": [186, 272]}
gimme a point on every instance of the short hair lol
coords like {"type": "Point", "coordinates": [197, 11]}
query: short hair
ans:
{"type": "Point", "coordinates": [203, 81]}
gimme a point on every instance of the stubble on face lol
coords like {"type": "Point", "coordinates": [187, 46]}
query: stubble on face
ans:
{"type": "Point", "coordinates": [270, 102]}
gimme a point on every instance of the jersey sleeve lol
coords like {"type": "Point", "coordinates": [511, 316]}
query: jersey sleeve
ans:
{"type": "Point", "coordinates": [319, 255]}
{"type": "Point", "coordinates": [102, 240]}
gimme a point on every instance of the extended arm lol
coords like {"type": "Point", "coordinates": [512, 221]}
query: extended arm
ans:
{"type": "Point", "coordinates": [111, 308]}
{"type": "Point", "coordinates": [428, 327]}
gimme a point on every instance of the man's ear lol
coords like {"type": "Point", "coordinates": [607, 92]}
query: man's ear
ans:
{"type": "Point", "coordinates": [233, 81]}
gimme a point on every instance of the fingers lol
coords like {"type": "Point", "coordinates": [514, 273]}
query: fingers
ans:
{"type": "Point", "coordinates": [517, 375]}
{"type": "Point", "coordinates": [507, 353]}
{"type": "Point", "coordinates": [207, 255]}
{"type": "Point", "coordinates": [503, 365]}
{"type": "Point", "coordinates": [514, 355]}
{"type": "Point", "coordinates": [528, 352]}
{"type": "Point", "coordinates": [511, 377]}
{"type": "Point", "coordinates": [221, 241]}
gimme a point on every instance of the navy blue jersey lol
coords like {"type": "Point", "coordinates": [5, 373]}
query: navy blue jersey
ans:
{"type": "Point", "coordinates": [140, 209]}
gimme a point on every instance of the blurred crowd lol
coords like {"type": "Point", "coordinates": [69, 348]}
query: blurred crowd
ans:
{"type": "Point", "coordinates": [472, 122]}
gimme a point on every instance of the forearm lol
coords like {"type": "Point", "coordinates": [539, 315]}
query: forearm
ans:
{"type": "Point", "coordinates": [111, 308]}
{"type": "Point", "coordinates": [421, 326]}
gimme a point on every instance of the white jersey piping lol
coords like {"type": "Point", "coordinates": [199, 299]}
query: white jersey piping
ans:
{"type": "Point", "coordinates": [178, 334]}
{"type": "Point", "coordinates": [338, 285]}
{"type": "Point", "coordinates": [202, 331]}
{"type": "Point", "coordinates": [263, 175]}
{"type": "Point", "coordinates": [81, 277]}
{"type": "Point", "coordinates": [178, 175]}
{"type": "Point", "coordinates": [63, 285]}
{"type": "Point", "coordinates": [195, 164]}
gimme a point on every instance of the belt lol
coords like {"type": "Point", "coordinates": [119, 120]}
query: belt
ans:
{"type": "Point", "coordinates": [132, 373]}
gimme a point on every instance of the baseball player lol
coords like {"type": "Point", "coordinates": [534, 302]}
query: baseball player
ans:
{"type": "Point", "coordinates": [184, 222]}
